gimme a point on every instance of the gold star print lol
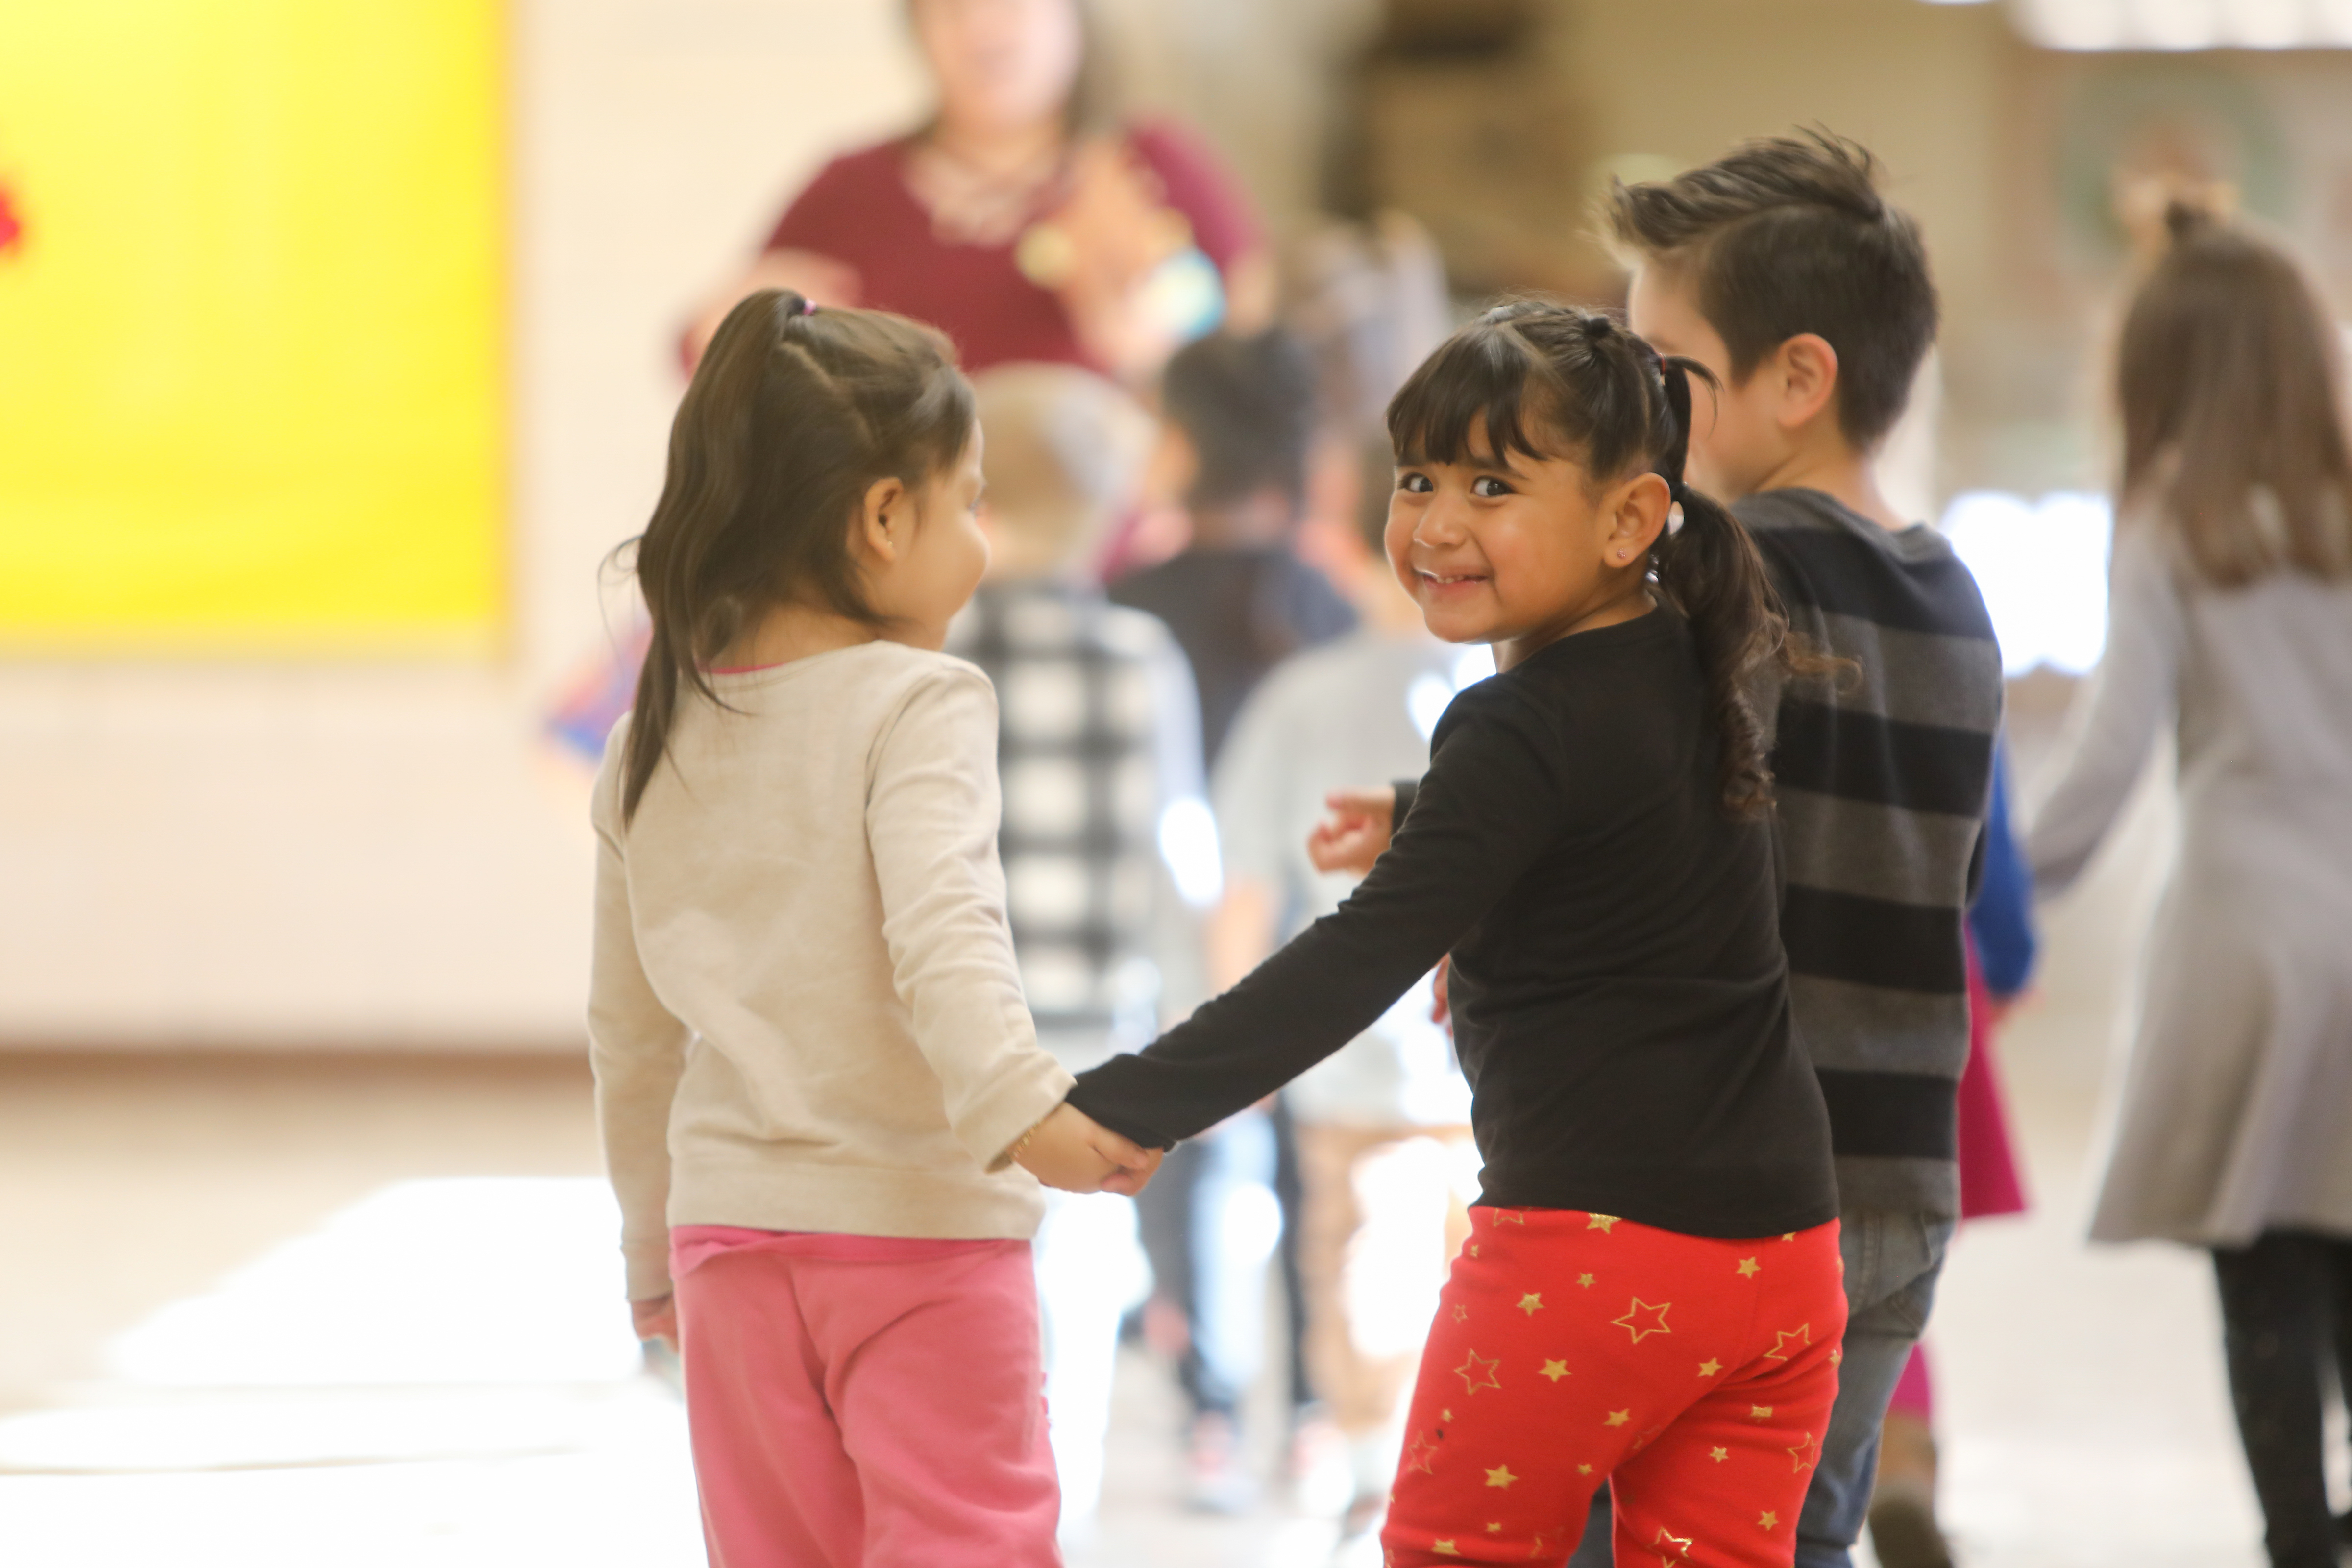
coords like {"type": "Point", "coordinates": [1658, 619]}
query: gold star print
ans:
{"type": "Point", "coordinates": [1511, 1217]}
{"type": "Point", "coordinates": [1837, 1356]}
{"type": "Point", "coordinates": [1710, 1367]}
{"type": "Point", "coordinates": [1790, 1236]}
{"type": "Point", "coordinates": [1601, 1222]}
{"type": "Point", "coordinates": [1461, 1314]}
{"type": "Point", "coordinates": [1671, 1547]}
{"type": "Point", "coordinates": [1748, 1268]}
{"type": "Point", "coordinates": [1478, 1372]}
{"type": "Point", "coordinates": [1501, 1476]}
{"type": "Point", "coordinates": [1770, 1520]}
{"type": "Point", "coordinates": [1446, 1415]}
{"type": "Point", "coordinates": [1531, 1303]}
{"type": "Point", "coordinates": [1804, 1454]}
{"type": "Point", "coordinates": [1761, 1412]}
{"type": "Point", "coordinates": [1555, 1370]}
{"type": "Point", "coordinates": [1495, 1528]}
{"type": "Point", "coordinates": [1536, 1550]}
{"type": "Point", "coordinates": [1719, 1455]}
{"type": "Point", "coordinates": [1446, 1548]}
{"type": "Point", "coordinates": [1585, 1280]}
{"type": "Point", "coordinates": [1618, 1417]}
{"type": "Point", "coordinates": [1473, 1249]}
{"type": "Point", "coordinates": [1584, 1470]}
{"type": "Point", "coordinates": [1641, 1331]}
{"type": "Point", "coordinates": [1421, 1453]}
{"type": "Point", "coordinates": [1790, 1342]}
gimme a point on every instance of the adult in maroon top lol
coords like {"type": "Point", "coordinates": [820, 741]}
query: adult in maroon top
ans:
{"type": "Point", "coordinates": [1012, 221]}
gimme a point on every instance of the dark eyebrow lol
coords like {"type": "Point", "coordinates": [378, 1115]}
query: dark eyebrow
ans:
{"type": "Point", "coordinates": [1487, 465]}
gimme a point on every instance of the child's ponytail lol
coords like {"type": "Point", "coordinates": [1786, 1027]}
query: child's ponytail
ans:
{"type": "Point", "coordinates": [792, 414]}
{"type": "Point", "coordinates": [1707, 567]}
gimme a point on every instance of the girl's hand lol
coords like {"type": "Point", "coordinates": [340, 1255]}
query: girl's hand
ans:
{"type": "Point", "coordinates": [657, 1318]}
{"type": "Point", "coordinates": [1072, 1150]}
{"type": "Point", "coordinates": [1440, 1006]}
{"type": "Point", "coordinates": [1358, 829]}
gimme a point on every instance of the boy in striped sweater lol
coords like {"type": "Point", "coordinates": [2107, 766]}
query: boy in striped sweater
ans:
{"type": "Point", "coordinates": [1782, 269]}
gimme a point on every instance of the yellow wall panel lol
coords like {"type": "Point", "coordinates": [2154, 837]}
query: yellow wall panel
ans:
{"type": "Point", "coordinates": [251, 388]}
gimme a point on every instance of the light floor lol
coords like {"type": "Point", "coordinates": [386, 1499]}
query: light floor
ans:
{"type": "Point", "coordinates": [282, 1312]}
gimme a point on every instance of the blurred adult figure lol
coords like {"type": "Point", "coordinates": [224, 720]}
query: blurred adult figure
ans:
{"type": "Point", "coordinates": [2231, 625]}
{"type": "Point", "coordinates": [1024, 218]}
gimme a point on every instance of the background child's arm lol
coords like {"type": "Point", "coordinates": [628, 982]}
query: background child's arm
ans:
{"type": "Point", "coordinates": [637, 1050]}
{"type": "Point", "coordinates": [2112, 726]}
{"type": "Point", "coordinates": [931, 821]}
{"type": "Point", "coordinates": [1357, 828]}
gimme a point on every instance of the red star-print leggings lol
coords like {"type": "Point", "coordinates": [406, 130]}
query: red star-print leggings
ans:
{"type": "Point", "coordinates": [1695, 1375]}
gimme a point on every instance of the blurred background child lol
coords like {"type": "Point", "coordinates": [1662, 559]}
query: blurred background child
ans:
{"type": "Point", "coordinates": [1099, 737]}
{"type": "Point", "coordinates": [2231, 627]}
{"type": "Point", "coordinates": [1905, 1531]}
{"type": "Point", "coordinates": [1383, 1126]}
{"type": "Point", "coordinates": [1239, 422]}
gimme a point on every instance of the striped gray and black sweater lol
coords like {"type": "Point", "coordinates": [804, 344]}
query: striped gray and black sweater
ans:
{"type": "Point", "coordinates": [1883, 778]}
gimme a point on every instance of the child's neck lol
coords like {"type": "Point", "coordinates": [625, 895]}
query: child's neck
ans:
{"type": "Point", "coordinates": [789, 632]}
{"type": "Point", "coordinates": [1838, 471]}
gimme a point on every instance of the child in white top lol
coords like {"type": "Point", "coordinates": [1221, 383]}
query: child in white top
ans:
{"type": "Point", "coordinates": [814, 1067]}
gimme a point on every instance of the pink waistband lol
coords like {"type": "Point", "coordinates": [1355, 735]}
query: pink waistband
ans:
{"type": "Point", "coordinates": [691, 1245]}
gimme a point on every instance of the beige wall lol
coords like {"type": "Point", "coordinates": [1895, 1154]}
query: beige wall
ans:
{"type": "Point", "coordinates": [391, 855]}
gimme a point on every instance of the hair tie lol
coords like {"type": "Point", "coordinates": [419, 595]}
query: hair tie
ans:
{"type": "Point", "coordinates": [1675, 375]}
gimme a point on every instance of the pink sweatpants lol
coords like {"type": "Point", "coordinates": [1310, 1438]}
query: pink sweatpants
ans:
{"type": "Point", "coordinates": [861, 1402]}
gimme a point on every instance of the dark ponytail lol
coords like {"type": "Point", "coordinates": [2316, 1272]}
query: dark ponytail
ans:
{"type": "Point", "coordinates": [1536, 375]}
{"type": "Point", "coordinates": [793, 412]}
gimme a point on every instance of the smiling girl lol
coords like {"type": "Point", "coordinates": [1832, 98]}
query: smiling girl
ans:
{"type": "Point", "coordinates": [1651, 1286]}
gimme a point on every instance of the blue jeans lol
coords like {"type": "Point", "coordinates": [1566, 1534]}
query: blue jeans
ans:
{"type": "Point", "coordinates": [1892, 1262]}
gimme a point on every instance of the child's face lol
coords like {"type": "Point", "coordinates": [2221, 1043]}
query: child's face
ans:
{"type": "Point", "coordinates": [925, 552]}
{"type": "Point", "coordinates": [1514, 550]}
{"type": "Point", "coordinates": [1739, 437]}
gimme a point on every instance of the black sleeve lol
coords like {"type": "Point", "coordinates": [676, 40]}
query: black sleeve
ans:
{"type": "Point", "coordinates": [1404, 789]}
{"type": "Point", "coordinates": [1490, 804]}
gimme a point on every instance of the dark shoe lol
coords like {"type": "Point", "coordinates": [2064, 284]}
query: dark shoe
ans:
{"type": "Point", "coordinates": [1902, 1529]}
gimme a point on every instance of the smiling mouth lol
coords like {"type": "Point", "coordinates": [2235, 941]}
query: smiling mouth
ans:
{"type": "Point", "coordinates": [1443, 580]}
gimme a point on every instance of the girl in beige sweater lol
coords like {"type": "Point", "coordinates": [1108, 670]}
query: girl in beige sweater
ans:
{"type": "Point", "coordinates": [824, 1108]}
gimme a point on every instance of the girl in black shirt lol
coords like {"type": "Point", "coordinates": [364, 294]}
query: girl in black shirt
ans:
{"type": "Point", "coordinates": [1651, 1286]}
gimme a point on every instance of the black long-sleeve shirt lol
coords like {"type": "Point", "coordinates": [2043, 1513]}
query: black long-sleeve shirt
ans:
{"type": "Point", "coordinates": [1620, 997]}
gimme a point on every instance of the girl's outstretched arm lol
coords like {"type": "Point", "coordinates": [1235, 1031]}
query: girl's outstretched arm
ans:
{"type": "Point", "coordinates": [1490, 805]}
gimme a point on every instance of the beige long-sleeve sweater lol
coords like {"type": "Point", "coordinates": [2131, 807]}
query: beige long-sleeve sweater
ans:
{"type": "Point", "coordinates": [804, 1013]}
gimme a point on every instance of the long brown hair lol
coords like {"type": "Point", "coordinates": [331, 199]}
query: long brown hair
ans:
{"type": "Point", "coordinates": [2229, 378]}
{"type": "Point", "coordinates": [792, 414]}
{"type": "Point", "coordinates": [1550, 380]}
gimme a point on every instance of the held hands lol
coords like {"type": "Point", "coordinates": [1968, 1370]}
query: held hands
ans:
{"type": "Point", "coordinates": [657, 1318]}
{"type": "Point", "coordinates": [1072, 1150]}
{"type": "Point", "coordinates": [1357, 828]}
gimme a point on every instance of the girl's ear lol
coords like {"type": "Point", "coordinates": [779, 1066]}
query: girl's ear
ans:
{"type": "Point", "coordinates": [885, 519]}
{"type": "Point", "coordinates": [1636, 520]}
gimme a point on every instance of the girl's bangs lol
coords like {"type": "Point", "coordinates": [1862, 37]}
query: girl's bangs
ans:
{"type": "Point", "coordinates": [1484, 377]}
